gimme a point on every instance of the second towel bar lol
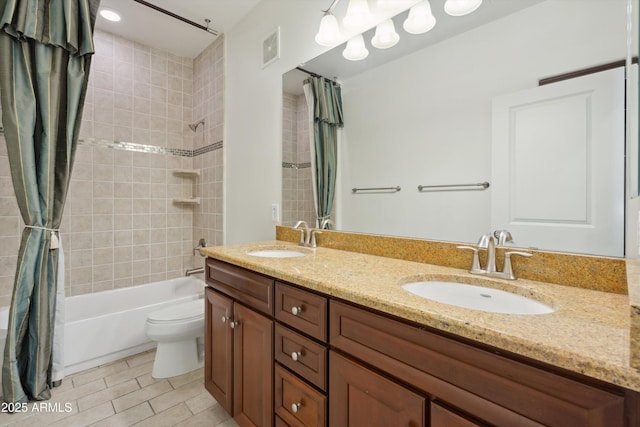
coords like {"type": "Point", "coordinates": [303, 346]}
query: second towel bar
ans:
{"type": "Point", "coordinates": [480, 185]}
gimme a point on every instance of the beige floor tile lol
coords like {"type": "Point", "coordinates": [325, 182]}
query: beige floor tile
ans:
{"type": "Point", "coordinates": [207, 418]}
{"type": "Point", "coordinates": [128, 373]}
{"type": "Point", "coordinates": [167, 418]}
{"type": "Point", "coordinates": [147, 379]}
{"type": "Point", "coordinates": [180, 380]}
{"type": "Point", "coordinates": [176, 396]}
{"type": "Point", "coordinates": [139, 359]}
{"type": "Point", "coordinates": [90, 375]}
{"type": "Point", "coordinates": [42, 419]}
{"type": "Point", "coordinates": [78, 392]}
{"type": "Point", "coordinates": [128, 417]}
{"type": "Point", "coordinates": [132, 399]}
{"type": "Point", "coordinates": [90, 416]}
{"type": "Point", "coordinates": [200, 402]}
{"type": "Point", "coordinates": [107, 395]}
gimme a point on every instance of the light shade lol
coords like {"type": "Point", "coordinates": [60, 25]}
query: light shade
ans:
{"type": "Point", "coordinates": [461, 7]}
{"type": "Point", "coordinates": [358, 15]}
{"type": "Point", "coordinates": [385, 36]}
{"type": "Point", "coordinates": [420, 19]}
{"type": "Point", "coordinates": [355, 50]}
{"type": "Point", "coordinates": [110, 15]}
{"type": "Point", "coordinates": [329, 32]}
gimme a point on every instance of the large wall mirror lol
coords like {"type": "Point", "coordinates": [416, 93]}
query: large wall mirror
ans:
{"type": "Point", "coordinates": [468, 103]}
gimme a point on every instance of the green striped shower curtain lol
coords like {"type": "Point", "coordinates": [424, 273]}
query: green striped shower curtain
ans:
{"type": "Point", "coordinates": [45, 53]}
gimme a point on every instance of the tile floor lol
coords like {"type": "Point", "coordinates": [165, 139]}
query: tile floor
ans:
{"type": "Point", "coordinates": [123, 393]}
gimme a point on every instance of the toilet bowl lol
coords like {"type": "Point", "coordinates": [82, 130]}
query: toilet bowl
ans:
{"type": "Point", "coordinates": [179, 332]}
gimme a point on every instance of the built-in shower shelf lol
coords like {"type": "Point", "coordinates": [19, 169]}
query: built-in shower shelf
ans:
{"type": "Point", "coordinates": [187, 201]}
{"type": "Point", "coordinates": [189, 172]}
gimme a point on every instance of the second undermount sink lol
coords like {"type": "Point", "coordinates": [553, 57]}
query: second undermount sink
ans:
{"type": "Point", "coordinates": [477, 297]}
{"type": "Point", "coordinates": [276, 253]}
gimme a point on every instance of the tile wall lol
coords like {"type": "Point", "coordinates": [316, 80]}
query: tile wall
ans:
{"type": "Point", "coordinates": [297, 195]}
{"type": "Point", "coordinates": [121, 227]}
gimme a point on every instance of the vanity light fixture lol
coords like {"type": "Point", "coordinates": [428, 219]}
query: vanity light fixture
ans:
{"type": "Point", "coordinates": [110, 15]}
{"type": "Point", "coordinates": [329, 32]}
{"type": "Point", "coordinates": [385, 36]}
{"type": "Point", "coordinates": [461, 7]}
{"type": "Point", "coordinates": [358, 15]}
{"type": "Point", "coordinates": [420, 19]}
{"type": "Point", "coordinates": [355, 50]}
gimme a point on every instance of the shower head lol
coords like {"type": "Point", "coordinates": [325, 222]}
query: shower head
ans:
{"type": "Point", "coordinates": [194, 126]}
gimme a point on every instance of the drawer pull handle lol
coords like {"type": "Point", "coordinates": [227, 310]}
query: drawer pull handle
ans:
{"type": "Point", "coordinates": [296, 310]}
{"type": "Point", "coordinates": [296, 355]}
{"type": "Point", "coordinates": [233, 325]}
{"type": "Point", "coordinates": [224, 319]}
{"type": "Point", "coordinates": [295, 407]}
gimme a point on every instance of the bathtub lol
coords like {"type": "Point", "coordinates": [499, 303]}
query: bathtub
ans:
{"type": "Point", "coordinates": [107, 326]}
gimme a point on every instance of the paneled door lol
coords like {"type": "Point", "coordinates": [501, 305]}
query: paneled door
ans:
{"type": "Point", "coordinates": [558, 167]}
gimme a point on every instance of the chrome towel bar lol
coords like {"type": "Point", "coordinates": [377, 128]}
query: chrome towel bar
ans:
{"type": "Point", "coordinates": [389, 189]}
{"type": "Point", "coordinates": [479, 186]}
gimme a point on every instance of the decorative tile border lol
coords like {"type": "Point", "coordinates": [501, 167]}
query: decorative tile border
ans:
{"type": "Point", "coordinates": [152, 149]}
{"type": "Point", "coordinates": [287, 165]}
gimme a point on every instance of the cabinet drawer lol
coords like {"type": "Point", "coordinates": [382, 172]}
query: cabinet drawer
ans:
{"type": "Point", "coordinates": [243, 285]}
{"type": "Point", "coordinates": [302, 355]}
{"type": "Point", "coordinates": [442, 417]}
{"type": "Point", "coordinates": [302, 310]}
{"type": "Point", "coordinates": [297, 403]}
{"type": "Point", "coordinates": [280, 423]}
{"type": "Point", "coordinates": [494, 388]}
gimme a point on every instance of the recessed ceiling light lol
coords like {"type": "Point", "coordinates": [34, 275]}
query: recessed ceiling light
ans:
{"type": "Point", "coordinates": [110, 15]}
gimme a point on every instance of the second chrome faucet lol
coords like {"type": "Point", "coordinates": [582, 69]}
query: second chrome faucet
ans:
{"type": "Point", "coordinates": [488, 242]}
{"type": "Point", "coordinates": [307, 235]}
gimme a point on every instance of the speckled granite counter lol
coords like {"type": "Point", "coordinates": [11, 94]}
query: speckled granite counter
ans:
{"type": "Point", "coordinates": [589, 332]}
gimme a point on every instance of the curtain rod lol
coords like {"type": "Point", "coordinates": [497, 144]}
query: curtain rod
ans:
{"type": "Point", "coordinates": [312, 74]}
{"type": "Point", "coordinates": [179, 18]}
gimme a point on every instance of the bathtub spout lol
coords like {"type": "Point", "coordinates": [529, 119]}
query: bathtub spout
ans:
{"type": "Point", "coordinates": [191, 271]}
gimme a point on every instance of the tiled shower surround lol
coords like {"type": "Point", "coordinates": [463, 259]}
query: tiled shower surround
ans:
{"type": "Point", "coordinates": [297, 192]}
{"type": "Point", "coordinates": [121, 226]}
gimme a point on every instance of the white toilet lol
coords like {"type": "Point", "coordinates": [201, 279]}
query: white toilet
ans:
{"type": "Point", "coordinates": [179, 332]}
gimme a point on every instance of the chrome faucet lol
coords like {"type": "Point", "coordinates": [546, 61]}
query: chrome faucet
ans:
{"type": "Point", "coordinates": [488, 242]}
{"type": "Point", "coordinates": [201, 244]}
{"type": "Point", "coordinates": [307, 235]}
{"type": "Point", "coordinates": [304, 232]}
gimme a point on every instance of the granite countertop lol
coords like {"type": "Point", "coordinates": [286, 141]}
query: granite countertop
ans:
{"type": "Point", "coordinates": [589, 332]}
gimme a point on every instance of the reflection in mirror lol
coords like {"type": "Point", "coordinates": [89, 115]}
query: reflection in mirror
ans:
{"type": "Point", "coordinates": [428, 116]}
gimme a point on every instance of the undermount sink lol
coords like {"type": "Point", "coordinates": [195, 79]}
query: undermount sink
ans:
{"type": "Point", "coordinates": [477, 297]}
{"type": "Point", "coordinates": [276, 253]}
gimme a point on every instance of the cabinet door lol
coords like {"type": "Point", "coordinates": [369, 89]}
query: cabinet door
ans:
{"type": "Point", "coordinates": [360, 397]}
{"type": "Point", "coordinates": [253, 368]}
{"type": "Point", "coordinates": [218, 348]}
{"type": "Point", "coordinates": [442, 417]}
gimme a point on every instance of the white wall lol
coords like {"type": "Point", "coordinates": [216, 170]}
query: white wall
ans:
{"type": "Point", "coordinates": [253, 142]}
{"type": "Point", "coordinates": [433, 124]}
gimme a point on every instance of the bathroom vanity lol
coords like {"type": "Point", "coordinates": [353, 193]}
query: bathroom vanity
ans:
{"type": "Point", "coordinates": [331, 339]}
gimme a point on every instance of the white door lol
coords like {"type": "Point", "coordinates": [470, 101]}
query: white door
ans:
{"type": "Point", "coordinates": [558, 165]}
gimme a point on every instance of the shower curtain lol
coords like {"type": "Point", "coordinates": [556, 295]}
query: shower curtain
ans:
{"type": "Point", "coordinates": [45, 55]}
{"type": "Point", "coordinates": [325, 117]}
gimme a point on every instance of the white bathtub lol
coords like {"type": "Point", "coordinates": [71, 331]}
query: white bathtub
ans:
{"type": "Point", "coordinates": [106, 326]}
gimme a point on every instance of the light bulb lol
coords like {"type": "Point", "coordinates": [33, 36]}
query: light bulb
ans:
{"type": "Point", "coordinates": [385, 36]}
{"type": "Point", "coordinates": [420, 19]}
{"type": "Point", "coordinates": [358, 15]}
{"type": "Point", "coordinates": [329, 32]}
{"type": "Point", "coordinates": [461, 7]}
{"type": "Point", "coordinates": [110, 15]}
{"type": "Point", "coordinates": [355, 50]}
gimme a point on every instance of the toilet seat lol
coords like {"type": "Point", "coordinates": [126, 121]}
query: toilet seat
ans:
{"type": "Point", "coordinates": [184, 312]}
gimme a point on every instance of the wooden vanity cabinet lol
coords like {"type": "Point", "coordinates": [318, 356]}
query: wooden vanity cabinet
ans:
{"type": "Point", "coordinates": [488, 388]}
{"type": "Point", "coordinates": [301, 357]}
{"type": "Point", "coordinates": [239, 343]}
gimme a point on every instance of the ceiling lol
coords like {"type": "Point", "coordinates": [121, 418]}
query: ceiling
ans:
{"type": "Point", "coordinates": [155, 29]}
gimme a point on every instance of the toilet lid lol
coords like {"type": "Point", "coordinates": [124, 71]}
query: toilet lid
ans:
{"type": "Point", "coordinates": [183, 311]}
